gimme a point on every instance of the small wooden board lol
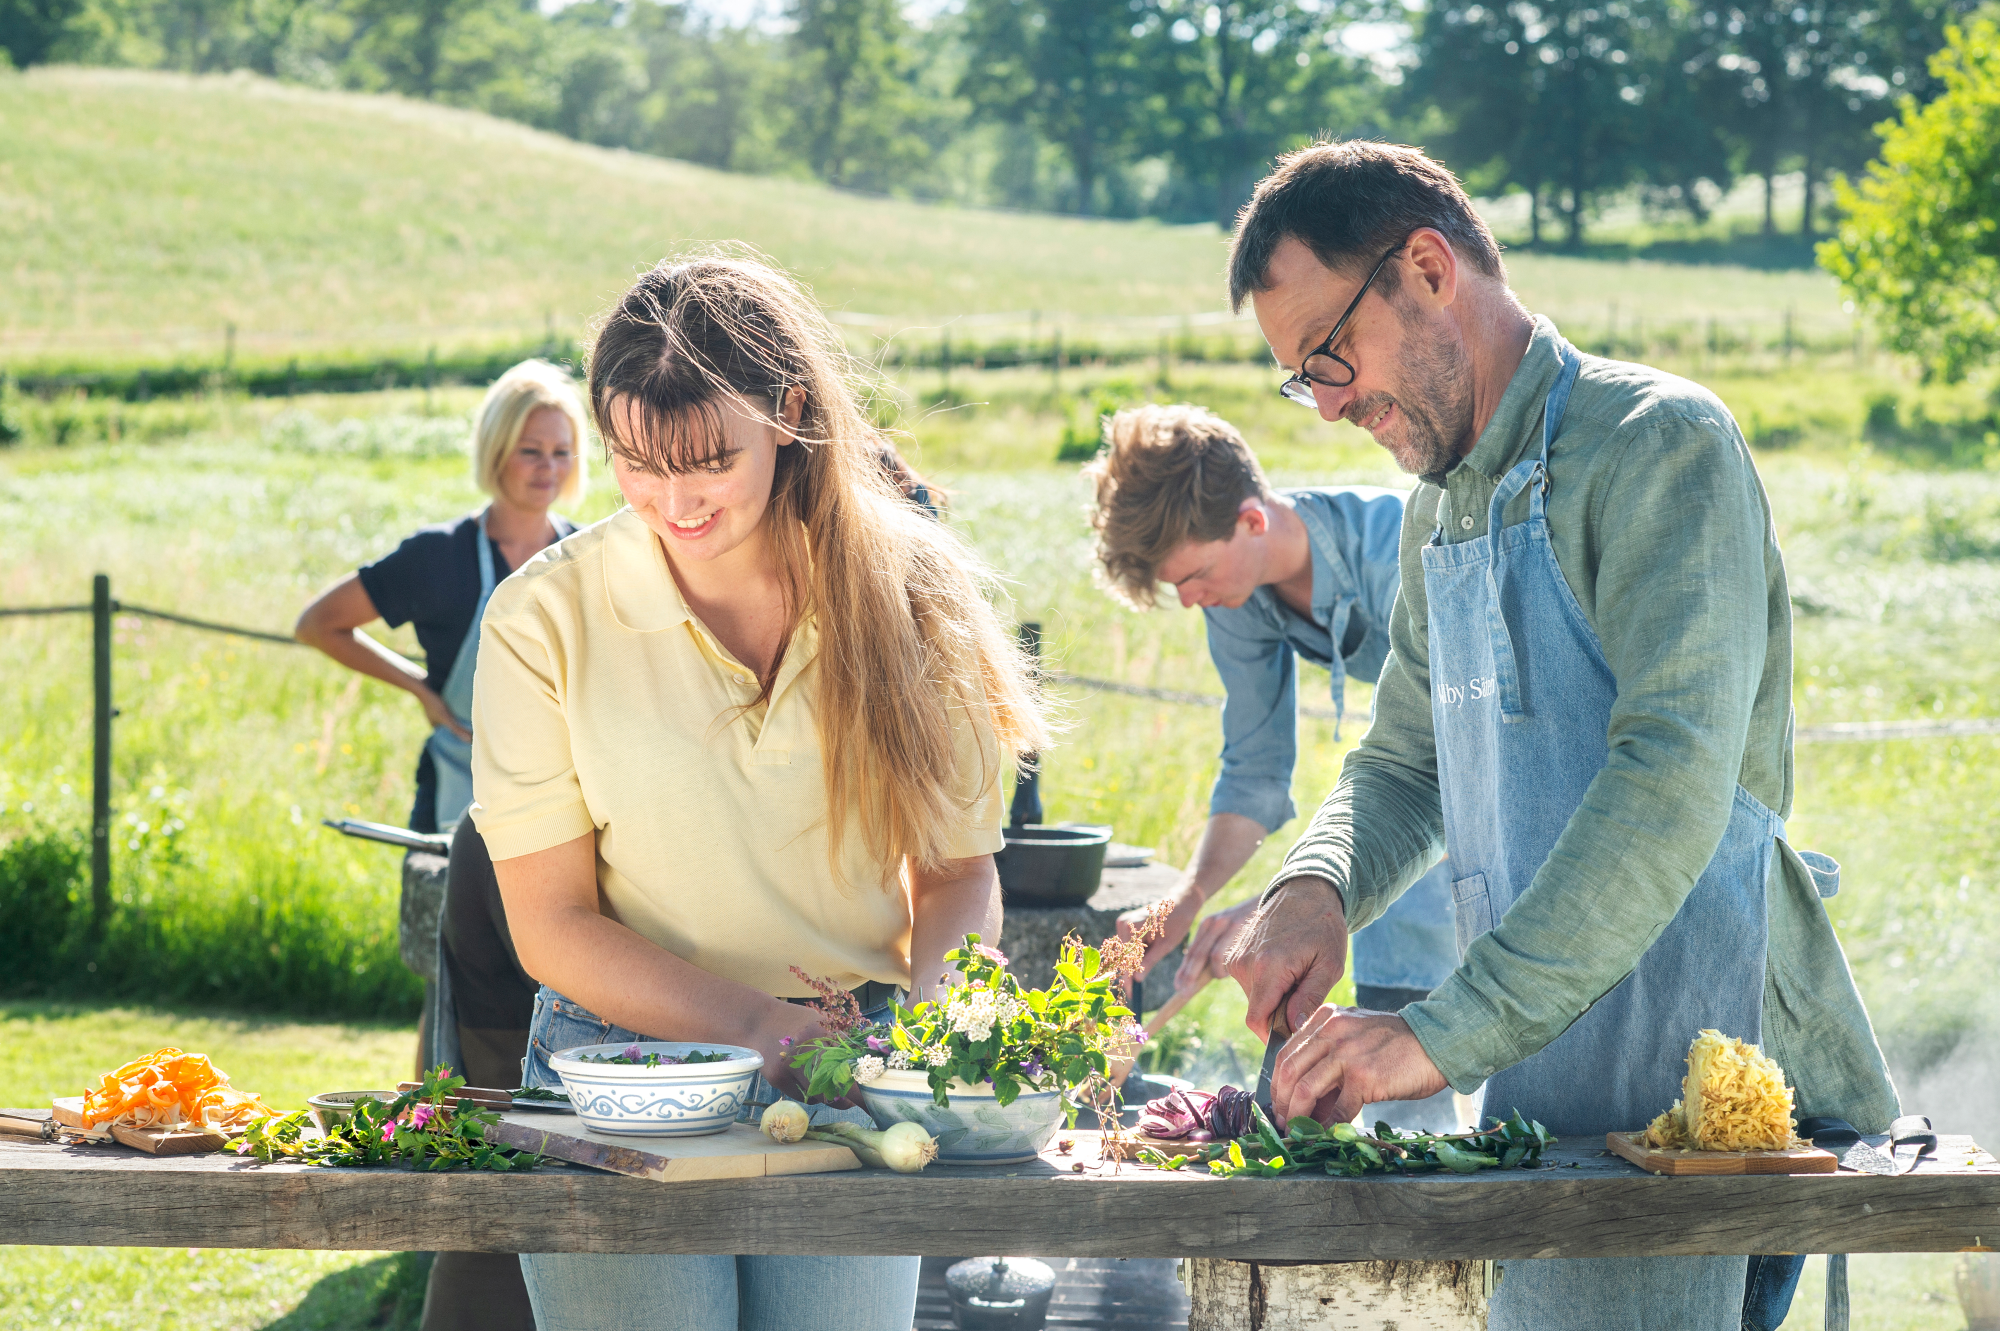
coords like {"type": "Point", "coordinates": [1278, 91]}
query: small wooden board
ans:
{"type": "Point", "coordinates": [741, 1152]}
{"type": "Point", "coordinates": [67, 1110]}
{"type": "Point", "coordinates": [1164, 1145]}
{"type": "Point", "coordinates": [1657, 1160]}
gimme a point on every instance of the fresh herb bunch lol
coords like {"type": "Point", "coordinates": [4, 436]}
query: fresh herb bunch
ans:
{"type": "Point", "coordinates": [1343, 1150]}
{"type": "Point", "coordinates": [428, 1127]}
{"type": "Point", "coordinates": [540, 1093]}
{"type": "Point", "coordinates": [633, 1056]}
{"type": "Point", "coordinates": [988, 1028]}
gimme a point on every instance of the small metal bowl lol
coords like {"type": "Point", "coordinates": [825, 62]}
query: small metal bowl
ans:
{"type": "Point", "coordinates": [335, 1109]}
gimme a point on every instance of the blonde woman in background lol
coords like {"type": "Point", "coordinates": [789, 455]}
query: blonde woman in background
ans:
{"type": "Point", "coordinates": [527, 455]}
{"type": "Point", "coordinates": [756, 721]}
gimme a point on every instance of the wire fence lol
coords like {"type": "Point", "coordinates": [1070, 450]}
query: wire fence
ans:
{"type": "Point", "coordinates": [102, 607]}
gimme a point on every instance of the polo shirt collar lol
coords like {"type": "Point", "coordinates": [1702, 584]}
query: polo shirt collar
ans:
{"type": "Point", "coordinates": [644, 597]}
{"type": "Point", "coordinates": [1507, 436]}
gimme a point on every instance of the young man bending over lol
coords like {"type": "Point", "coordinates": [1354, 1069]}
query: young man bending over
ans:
{"type": "Point", "coordinates": [1279, 574]}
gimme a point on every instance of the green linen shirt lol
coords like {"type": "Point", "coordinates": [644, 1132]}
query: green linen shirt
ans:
{"type": "Point", "coordinates": [1664, 533]}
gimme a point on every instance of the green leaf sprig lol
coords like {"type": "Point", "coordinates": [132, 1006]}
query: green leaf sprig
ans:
{"type": "Point", "coordinates": [1342, 1150]}
{"type": "Point", "coordinates": [428, 1127]}
{"type": "Point", "coordinates": [1056, 1038]}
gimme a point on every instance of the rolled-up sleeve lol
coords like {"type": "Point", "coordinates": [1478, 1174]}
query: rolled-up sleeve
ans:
{"type": "Point", "coordinates": [1259, 719]}
{"type": "Point", "coordinates": [526, 793]}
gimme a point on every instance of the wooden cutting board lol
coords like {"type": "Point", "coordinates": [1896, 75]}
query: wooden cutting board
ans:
{"type": "Point", "coordinates": [741, 1152]}
{"type": "Point", "coordinates": [1657, 1160]}
{"type": "Point", "coordinates": [67, 1111]}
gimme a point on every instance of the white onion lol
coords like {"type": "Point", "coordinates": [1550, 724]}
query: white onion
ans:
{"type": "Point", "coordinates": [785, 1121]}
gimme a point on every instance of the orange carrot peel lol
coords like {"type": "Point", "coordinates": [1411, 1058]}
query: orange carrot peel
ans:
{"type": "Point", "coordinates": [166, 1088]}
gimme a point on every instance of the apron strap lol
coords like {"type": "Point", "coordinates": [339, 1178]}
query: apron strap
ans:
{"type": "Point", "coordinates": [1531, 474]}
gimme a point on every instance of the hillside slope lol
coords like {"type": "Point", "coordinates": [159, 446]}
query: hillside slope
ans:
{"type": "Point", "coordinates": [141, 213]}
{"type": "Point", "coordinates": [152, 203]}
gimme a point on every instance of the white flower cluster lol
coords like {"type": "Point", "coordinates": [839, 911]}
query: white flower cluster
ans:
{"type": "Point", "coordinates": [868, 1069]}
{"type": "Point", "coordinates": [974, 1013]}
{"type": "Point", "coordinates": [937, 1056]}
{"type": "Point", "coordinates": [899, 1059]}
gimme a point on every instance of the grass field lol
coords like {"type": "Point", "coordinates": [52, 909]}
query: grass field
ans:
{"type": "Point", "coordinates": [144, 213]}
{"type": "Point", "coordinates": [249, 744]}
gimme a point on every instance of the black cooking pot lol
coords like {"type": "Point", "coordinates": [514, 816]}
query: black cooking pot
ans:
{"type": "Point", "coordinates": [1051, 866]}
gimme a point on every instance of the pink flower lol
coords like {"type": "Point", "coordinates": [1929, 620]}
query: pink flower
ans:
{"type": "Point", "coordinates": [785, 1043]}
{"type": "Point", "coordinates": [878, 1044]}
{"type": "Point", "coordinates": [388, 1132]}
{"type": "Point", "coordinates": [992, 954]}
{"type": "Point", "coordinates": [421, 1115]}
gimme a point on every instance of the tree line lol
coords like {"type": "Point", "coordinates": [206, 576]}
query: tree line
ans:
{"type": "Point", "coordinates": [1163, 108]}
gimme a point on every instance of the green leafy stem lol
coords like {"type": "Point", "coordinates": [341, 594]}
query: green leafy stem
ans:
{"type": "Point", "coordinates": [429, 1128]}
{"type": "Point", "coordinates": [1343, 1150]}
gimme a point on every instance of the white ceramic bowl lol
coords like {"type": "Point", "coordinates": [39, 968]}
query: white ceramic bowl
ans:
{"type": "Point", "coordinates": [975, 1129]}
{"type": "Point", "coordinates": [673, 1100]}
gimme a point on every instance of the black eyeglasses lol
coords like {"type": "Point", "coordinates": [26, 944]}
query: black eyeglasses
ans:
{"type": "Point", "coordinates": [1321, 366]}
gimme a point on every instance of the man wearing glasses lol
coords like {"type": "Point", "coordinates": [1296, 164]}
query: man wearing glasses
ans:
{"type": "Point", "coordinates": [1587, 704]}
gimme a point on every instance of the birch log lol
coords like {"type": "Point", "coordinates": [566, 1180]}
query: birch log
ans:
{"type": "Point", "coordinates": [1336, 1296]}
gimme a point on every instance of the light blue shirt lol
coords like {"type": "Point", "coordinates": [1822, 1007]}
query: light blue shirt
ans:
{"type": "Point", "coordinates": [1354, 533]}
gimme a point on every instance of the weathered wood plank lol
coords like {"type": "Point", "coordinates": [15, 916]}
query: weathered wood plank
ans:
{"type": "Point", "coordinates": [1602, 1207]}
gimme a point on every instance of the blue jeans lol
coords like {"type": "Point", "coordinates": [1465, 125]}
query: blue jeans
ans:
{"type": "Point", "coordinates": [587, 1291]}
{"type": "Point", "coordinates": [578, 1291]}
{"type": "Point", "coordinates": [1767, 1292]}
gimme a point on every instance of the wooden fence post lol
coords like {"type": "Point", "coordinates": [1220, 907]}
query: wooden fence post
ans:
{"type": "Point", "coordinates": [100, 754]}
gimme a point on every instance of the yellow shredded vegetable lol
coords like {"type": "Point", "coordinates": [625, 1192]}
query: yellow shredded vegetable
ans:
{"type": "Point", "coordinates": [1734, 1098]}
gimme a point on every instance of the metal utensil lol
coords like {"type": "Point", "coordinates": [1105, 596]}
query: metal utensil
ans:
{"type": "Point", "coordinates": [1863, 1159]}
{"type": "Point", "coordinates": [1910, 1138]}
{"type": "Point", "coordinates": [1281, 1031]}
{"type": "Point", "coordinates": [438, 843]}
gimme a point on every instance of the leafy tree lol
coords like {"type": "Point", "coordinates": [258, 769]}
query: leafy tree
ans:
{"type": "Point", "coordinates": [1071, 70]}
{"type": "Point", "coordinates": [30, 29]}
{"type": "Point", "coordinates": [1919, 246]}
{"type": "Point", "coordinates": [1540, 96]}
{"type": "Point", "coordinates": [855, 72]}
{"type": "Point", "coordinates": [1242, 81]}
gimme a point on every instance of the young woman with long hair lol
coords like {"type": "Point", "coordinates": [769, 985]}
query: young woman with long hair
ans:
{"type": "Point", "coordinates": [756, 721]}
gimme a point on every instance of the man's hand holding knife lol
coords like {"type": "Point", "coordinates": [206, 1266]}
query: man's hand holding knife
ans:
{"type": "Point", "coordinates": [1287, 958]}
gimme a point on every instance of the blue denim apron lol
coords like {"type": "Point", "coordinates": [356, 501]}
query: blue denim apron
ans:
{"type": "Point", "coordinates": [1521, 698]}
{"type": "Point", "coordinates": [451, 757]}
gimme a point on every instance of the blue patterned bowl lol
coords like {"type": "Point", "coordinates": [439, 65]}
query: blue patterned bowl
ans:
{"type": "Point", "coordinates": [674, 1100]}
{"type": "Point", "coordinates": [974, 1129]}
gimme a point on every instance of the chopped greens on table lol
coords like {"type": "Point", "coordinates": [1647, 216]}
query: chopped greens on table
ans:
{"type": "Point", "coordinates": [633, 1056]}
{"type": "Point", "coordinates": [1236, 1140]}
{"type": "Point", "coordinates": [989, 1029]}
{"type": "Point", "coordinates": [428, 1127]}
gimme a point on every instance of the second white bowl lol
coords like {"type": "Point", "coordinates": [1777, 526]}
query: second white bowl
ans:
{"type": "Point", "coordinates": [672, 1100]}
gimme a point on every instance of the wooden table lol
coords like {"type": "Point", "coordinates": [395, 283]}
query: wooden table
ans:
{"type": "Point", "coordinates": [1600, 1207]}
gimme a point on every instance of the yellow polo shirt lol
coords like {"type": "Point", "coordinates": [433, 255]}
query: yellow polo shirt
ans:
{"type": "Point", "coordinates": [603, 705]}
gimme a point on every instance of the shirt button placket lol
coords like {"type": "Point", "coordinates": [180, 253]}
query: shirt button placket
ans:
{"type": "Point", "coordinates": [1465, 523]}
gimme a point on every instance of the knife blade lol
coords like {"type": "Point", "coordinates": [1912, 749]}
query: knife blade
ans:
{"type": "Point", "coordinates": [1863, 1159]}
{"type": "Point", "coordinates": [1281, 1031]}
{"type": "Point", "coordinates": [1910, 1139]}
